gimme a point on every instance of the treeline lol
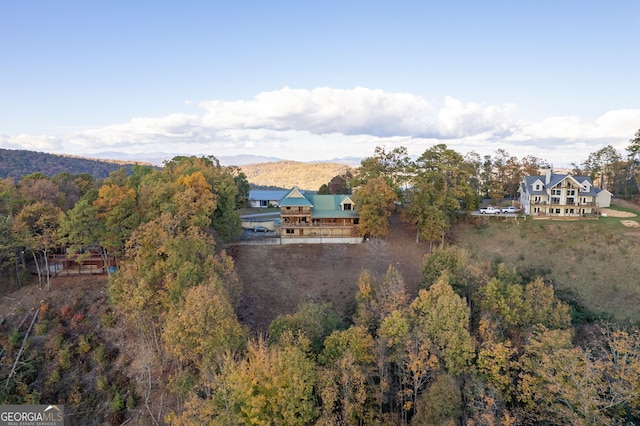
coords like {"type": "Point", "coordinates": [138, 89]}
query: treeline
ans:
{"type": "Point", "coordinates": [441, 185]}
{"type": "Point", "coordinates": [16, 164]}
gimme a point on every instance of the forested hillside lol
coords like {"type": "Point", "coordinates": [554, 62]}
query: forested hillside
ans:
{"type": "Point", "coordinates": [18, 163]}
{"type": "Point", "coordinates": [482, 341]}
{"type": "Point", "coordinates": [287, 174]}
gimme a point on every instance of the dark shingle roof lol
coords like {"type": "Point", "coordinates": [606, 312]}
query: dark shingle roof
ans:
{"type": "Point", "coordinates": [554, 180]}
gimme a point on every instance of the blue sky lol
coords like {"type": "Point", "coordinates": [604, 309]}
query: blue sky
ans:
{"type": "Point", "coordinates": [318, 80]}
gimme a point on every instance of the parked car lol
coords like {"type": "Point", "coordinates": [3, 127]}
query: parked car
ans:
{"type": "Point", "coordinates": [509, 209]}
{"type": "Point", "coordinates": [260, 228]}
{"type": "Point", "coordinates": [489, 210]}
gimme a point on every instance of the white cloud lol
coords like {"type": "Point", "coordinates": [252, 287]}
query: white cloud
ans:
{"type": "Point", "coordinates": [31, 142]}
{"type": "Point", "coordinates": [326, 123]}
{"type": "Point", "coordinates": [611, 125]}
{"type": "Point", "coordinates": [456, 120]}
{"type": "Point", "coordinates": [143, 131]}
{"type": "Point", "coordinates": [324, 110]}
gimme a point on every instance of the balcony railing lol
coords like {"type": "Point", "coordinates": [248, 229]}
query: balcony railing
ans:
{"type": "Point", "coordinates": [316, 225]}
{"type": "Point", "coordinates": [295, 211]}
{"type": "Point", "coordinates": [555, 203]}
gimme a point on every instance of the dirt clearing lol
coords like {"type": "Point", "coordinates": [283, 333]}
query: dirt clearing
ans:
{"type": "Point", "coordinates": [277, 278]}
{"type": "Point", "coordinates": [617, 213]}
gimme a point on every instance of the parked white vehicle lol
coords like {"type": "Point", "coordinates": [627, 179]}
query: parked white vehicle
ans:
{"type": "Point", "coordinates": [509, 209]}
{"type": "Point", "coordinates": [489, 210]}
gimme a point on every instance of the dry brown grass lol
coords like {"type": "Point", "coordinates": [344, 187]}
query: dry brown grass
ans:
{"type": "Point", "coordinates": [593, 261]}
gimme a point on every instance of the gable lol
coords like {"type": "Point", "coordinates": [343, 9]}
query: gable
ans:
{"type": "Point", "coordinates": [537, 185]}
{"type": "Point", "coordinates": [295, 198]}
{"type": "Point", "coordinates": [562, 178]}
{"type": "Point", "coordinates": [347, 202]}
{"type": "Point", "coordinates": [533, 185]}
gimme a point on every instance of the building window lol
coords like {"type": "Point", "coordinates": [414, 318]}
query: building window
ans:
{"type": "Point", "coordinates": [346, 206]}
{"type": "Point", "coordinates": [570, 200]}
{"type": "Point", "coordinates": [538, 187]}
{"type": "Point", "coordinates": [289, 231]}
{"type": "Point", "coordinates": [556, 191]}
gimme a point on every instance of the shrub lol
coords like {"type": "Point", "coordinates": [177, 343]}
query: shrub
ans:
{"type": "Point", "coordinates": [84, 344]}
{"type": "Point", "coordinates": [53, 377]}
{"type": "Point", "coordinates": [14, 340]}
{"type": "Point", "coordinates": [117, 403]}
{"type": "Point", "coordinates": [65, 311]}
{"type": "Point", "coordinates": [64, 357]}
{"type": "Point", "coordinates": [108, 319]}
{"type": "Point", "coordinates": [99, 354]}
{"type": "Point", "coordinates": [40, 328]}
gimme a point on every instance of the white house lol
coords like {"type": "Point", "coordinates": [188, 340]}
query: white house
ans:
{"type": "Point", "coordinates": [563, 195]}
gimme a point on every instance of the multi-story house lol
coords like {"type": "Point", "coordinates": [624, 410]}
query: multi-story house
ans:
{"type": "Point", "coordinates": [314, 218]}
{"type": "Point", "coordinates": [562, 195]}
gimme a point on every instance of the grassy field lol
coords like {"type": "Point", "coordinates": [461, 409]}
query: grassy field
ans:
{"type": "Point", "coordinates": [595, 263]}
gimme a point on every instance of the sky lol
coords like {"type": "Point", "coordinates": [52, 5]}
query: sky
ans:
{"type": "Point", "coordinates": [313, 81]}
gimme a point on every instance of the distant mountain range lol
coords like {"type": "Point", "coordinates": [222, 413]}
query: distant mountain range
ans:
{"type": "Point", "coordinates": [260, 170]}
{"type": "Point", "coordinates": [158, 158]}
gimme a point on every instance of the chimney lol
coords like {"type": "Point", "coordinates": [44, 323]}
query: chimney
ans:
{"type": "Point", "coordinates": [548, 175]}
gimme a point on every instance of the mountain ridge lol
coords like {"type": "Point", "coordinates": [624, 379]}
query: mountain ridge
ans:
{"type": "Point", "coordinates": [17, 163]}
{"type": "Point", "coordinates": [260, 170]}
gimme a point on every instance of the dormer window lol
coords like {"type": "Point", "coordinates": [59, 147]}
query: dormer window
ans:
{"type": "Point", "coordinates": [537, 187]}
{"type": "Point", "coordinates": [346, 206]}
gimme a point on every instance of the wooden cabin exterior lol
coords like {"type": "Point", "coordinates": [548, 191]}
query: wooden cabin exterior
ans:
{"type": "Point", "coordinates": [313, 216]}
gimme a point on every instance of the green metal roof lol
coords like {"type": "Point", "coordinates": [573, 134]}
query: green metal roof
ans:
{"type": "Point", "coordinates": [322, 206]}
{"type": "Point", "coordinates": [328, 206]}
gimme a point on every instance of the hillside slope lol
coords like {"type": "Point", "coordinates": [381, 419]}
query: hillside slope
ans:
{"type": "Point", "coordinates": [287, 174]}
{"type": "Point", "coordinates": [590, 263]}
{"type": "Point", "coordinates": [17, 163]}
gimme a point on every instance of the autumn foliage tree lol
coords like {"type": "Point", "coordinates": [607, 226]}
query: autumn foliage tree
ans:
{"type": "Point", "coordinates": [374, 202]}
{"type": "Point", "coordinates": [37, 227]}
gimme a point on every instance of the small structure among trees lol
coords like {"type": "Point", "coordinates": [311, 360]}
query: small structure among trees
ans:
{"type": "Point", "coordinates": [93, 260]}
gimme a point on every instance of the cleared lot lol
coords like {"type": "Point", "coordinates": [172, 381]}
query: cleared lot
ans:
{"type": "Point", "coordinates": [277, 278]}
